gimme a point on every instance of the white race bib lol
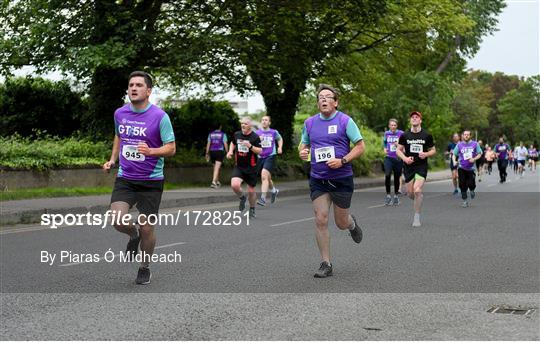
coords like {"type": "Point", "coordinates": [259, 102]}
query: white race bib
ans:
{"type": "Point", "coordinates": [393, 148]}
{"type": "Point", "coordinates": [467, 155]}
{"type": "Point", "coordinates": [242, 148]}
{"type": "Point", "coordinates": [267, 142]}
{"type": "Point", "coordinates": [130, 153]}
{"type": "Point", "coordinates": [416, 148]}
{"type": "Point", "coordinates": [323, 154]}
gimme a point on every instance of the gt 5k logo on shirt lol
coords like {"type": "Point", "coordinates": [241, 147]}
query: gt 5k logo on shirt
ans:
{"type": "Point", "coordinates": [132, 130]}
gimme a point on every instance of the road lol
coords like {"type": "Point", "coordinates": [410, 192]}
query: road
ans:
{"type": "Point", "coordinates": [256, 281]}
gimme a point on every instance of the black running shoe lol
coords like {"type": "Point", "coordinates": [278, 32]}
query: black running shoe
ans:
{"type": "Point", "coordinates": [143, 276]}
{"type": "Point", "coordinates": [324, 271]}
{"type": "Point", "coordinates": [132, 247]}
{"type": "Point", "coordinates": [242, 205]}
{"type": "Point", "coordinates": [356, 233]}
{"type": "Point", "coordinates": [252, 213]}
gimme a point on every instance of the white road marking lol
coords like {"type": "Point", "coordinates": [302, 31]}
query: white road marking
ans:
{"type": "Point", "coordinates": [295, 221]}
{"type": "Point", "coordinates": [118, 254]}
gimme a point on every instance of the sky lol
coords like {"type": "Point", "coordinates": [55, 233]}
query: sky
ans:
{"type": "Point", "coordinates": [514, 49]}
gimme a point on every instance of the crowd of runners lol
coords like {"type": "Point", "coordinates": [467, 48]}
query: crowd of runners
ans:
{"type": "Point", "coordinates": [330, 141]}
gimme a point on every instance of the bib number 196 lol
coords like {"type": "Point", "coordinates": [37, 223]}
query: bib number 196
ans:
{"type": "Point", "coordinates": [324, 153]}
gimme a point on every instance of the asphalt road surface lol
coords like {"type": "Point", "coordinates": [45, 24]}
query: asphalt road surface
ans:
{"type": "Point", "coordinates": [256, 281]}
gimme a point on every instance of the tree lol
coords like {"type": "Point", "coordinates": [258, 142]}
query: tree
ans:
{"type": "Point", "coordinates": [519, 112]}
{"type": "Point", "coordinates": [100, 42]}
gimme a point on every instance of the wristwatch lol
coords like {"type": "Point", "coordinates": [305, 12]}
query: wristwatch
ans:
{"type": "Point", "coordinates": [344, 161]}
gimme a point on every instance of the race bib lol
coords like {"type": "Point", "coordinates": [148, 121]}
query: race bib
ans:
{"type": "Point", "coordinates": [242, 148]}
{"type": "Point", "coordinates": [467, 155]}
{"type": "Point", "coordinates": [267, 142]}
{"type": "Point", "coordinates": [393, 148]}
{"type": "Point", "coordinates": [502, 148]}
{"type": "Point", "coordinates": [130, 153]}
{"type": "Point", "coordinates": [324, 153]}
{"type": "Point", "coordinates": [416, 148]}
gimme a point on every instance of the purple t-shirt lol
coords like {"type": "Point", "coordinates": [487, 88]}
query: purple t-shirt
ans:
{"type": "Point", "coordinates": [328, 139]}
{"type": "Point", "coordinates": [390, 140]}
{"type": "Point", "coordinates": [268, 141]}
{"type": "Point", "coordinates": [216, 138]}
{"type": "Point", "coordinates": [151, 126]}
{"type": "Point", "coordinates": [465, 151]}
{"type": "Point", "coordinates": [533, 153]}
{"type": "Point", "coordinates": [502, 150]}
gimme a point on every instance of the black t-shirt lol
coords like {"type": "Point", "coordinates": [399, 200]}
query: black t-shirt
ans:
{"type": "Point", "coordinates": [245, 158]}
{"type": "Point", "coordinates": [415, 143]}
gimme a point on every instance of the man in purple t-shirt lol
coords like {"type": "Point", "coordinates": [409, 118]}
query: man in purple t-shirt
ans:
{"type": "Point", "coordinates": [327, 137]}
{"type": "Point", "coordinates": [144, 136]}
{"type": "Point", "coordinates": [465, 155]}
{"type": "Point", "coordinates": [272, 144]}
{"type": "Point", "coordinates": [502, 151]}
{"type": "Point", "coordinates": [216, 148]}
{"type": "Point", "coordinates": [392, 164]}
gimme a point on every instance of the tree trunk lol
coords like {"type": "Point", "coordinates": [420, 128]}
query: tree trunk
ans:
{"type": "Point", "coordinates": [107, 93]}
{"type": "Point", "coordinates": [282, 107]}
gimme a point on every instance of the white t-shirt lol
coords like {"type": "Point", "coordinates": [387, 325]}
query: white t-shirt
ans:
{"type": "Point", "coordinates": [520, 153]}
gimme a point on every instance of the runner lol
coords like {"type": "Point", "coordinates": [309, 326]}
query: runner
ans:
{"type": "Point", "coordinates": [267, 158]}
{"type": "Point", "coordinates": [513, 160]}
{"type": "Point", "coordinates": [144, 135]}
{"type": "Point", "coordinates": [216, 148]}
{"type": "Point", "coordinates": [391, 162]}
{"type": "Point", "coordinates": [490, 158]}
{"type": "Point", "coordinates": [326, 137]}
{"type": "Point", "coordinates": [520, 157]}
{"type": "Point", "coordinates": [468, 151]}
{"type": "Point", "coordinates": [245, 145]}
{"type": "Point", "coordinates": [481, 161]}
{"type": "Point", "coordinates": [502, 152]}
{"type": "Point", "coordinates": [415, 146]}
{"type": "Point", "coordinates": [453, 167]}
{"type": "Point", "coordinates": [533, 157]}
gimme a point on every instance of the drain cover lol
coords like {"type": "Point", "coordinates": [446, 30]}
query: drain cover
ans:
{"type": "Point", "coordinates": [512, 310]}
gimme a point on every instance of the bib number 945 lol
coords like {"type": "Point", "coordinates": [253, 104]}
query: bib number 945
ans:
{"type": "Point", "coordinates": [130, 153]}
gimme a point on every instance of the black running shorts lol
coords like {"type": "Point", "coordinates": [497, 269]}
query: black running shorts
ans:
{"type": "Point", "coordinates": [146, 194]}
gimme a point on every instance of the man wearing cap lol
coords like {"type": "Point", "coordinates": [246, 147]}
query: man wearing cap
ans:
{"type": "Point", "coordinates": [414, 147]}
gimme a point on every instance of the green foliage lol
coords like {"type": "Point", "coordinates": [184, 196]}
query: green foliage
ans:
{"type": "Point", "coordinates": [196, 118]}
{"type": "Point", "coordinates": [373, 154]}
{"type": "Point", "coordinates": [47, 152]}
{"type": "Point", "coordinates": [520, 112]}
{"type": "Point", "coordinates": [30, 104]}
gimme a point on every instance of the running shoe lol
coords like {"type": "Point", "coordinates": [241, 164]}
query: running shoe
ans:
{"type": "Point", "coordinates": [356, 232]}
{"type": "Point", "coordinates": [261, 201]}
{"type": "Point", "coordinates": [325, 270]}
{"type": "Point", "coordinates": [143, 276]}
{"type": "Point", "coordinates": [396, 200]}
{"type": "Point", "coordinates": [416, 221]}
{"type": "Point", "coordinates": [472, 193]}
{"type": "Point", "coordinates": [132, 247]}
{"type": "Point", "coordinates": [252, 213]}
{"type": "Point", "coordinates": [213, 185]}
{"type": "Point", "coordinates": [388, 200]}
{"type": "Point", "coordinates": [218, 184]}
{"type": "Point", "coordinates": [274, 195]}
{"type": "Point", "coordinates": [465, 204]}
{"type": "Point", "coordinates": [455, 192]}
{"type": "Point", "coordinates": [242, 204]}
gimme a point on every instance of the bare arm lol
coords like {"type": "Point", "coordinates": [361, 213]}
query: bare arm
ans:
{"type": "Point", "coordinates": [114, 155]}
{"type": "Point", "coordinates": [167, 150]}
